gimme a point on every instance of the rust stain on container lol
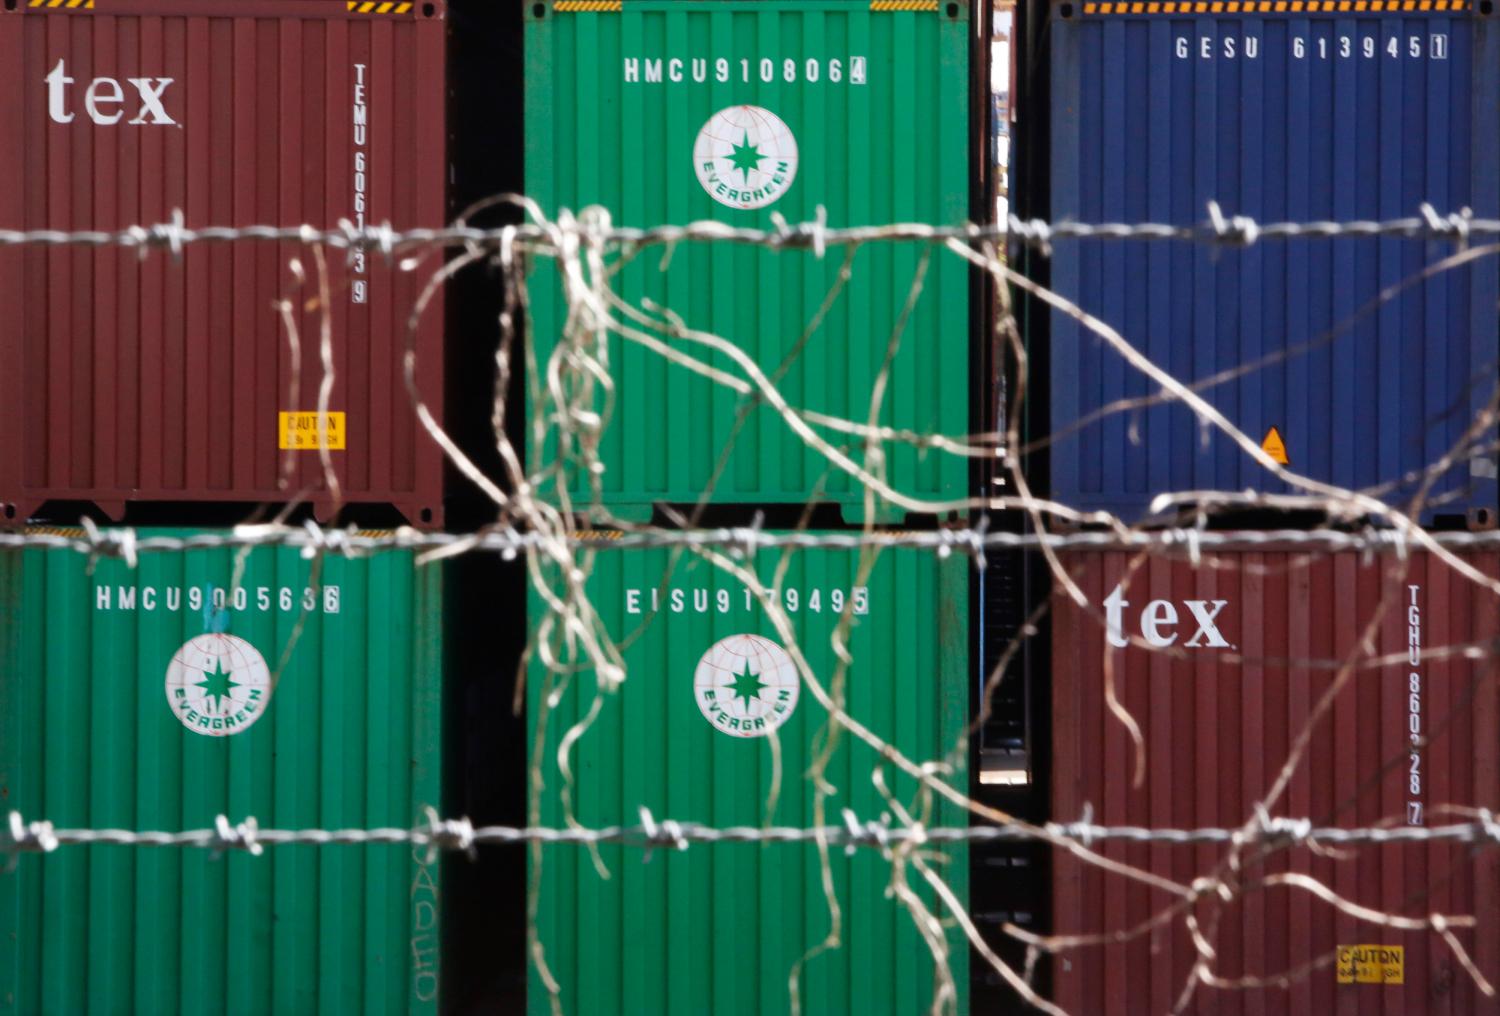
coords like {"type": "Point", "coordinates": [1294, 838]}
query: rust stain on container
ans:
{"type": "Point", "coordinates": [163, 378]}
{"type": "Point", "coordinates": [1246, 650]}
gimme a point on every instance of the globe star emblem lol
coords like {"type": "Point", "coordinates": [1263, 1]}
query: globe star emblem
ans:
{"type": "Point", "coordinates": [745, 157]}
{"type": "Point", "coordinates": [218, 684]}
{"type": "Point", "coordinates": [746, 686]}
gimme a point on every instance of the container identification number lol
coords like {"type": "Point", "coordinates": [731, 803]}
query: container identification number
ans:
{"type": "Point", "coordinates": [1343, 47]}
{"type": "Point", "coordinates": [240, 598]}
{"type": "Point", "coordinates": [359, 287]}
{"type": "Point", "coordinates": [1414, 707]}
{"type": "Point", "coordinates": [675, 70]}
{"type": "Point", "coordinates": [706, 601]}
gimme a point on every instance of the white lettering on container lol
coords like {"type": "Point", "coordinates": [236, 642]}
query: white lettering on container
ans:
{"type": "Point", "coordinates": [703, 600]}
{"type": "Point", "coordinates": [121, 597]}
{"type": "Point", "coordinates": [672, 70]}
{"type": "Point", "coordinates": [107, 91]}
{"type": "Point", "coordinates": [358, 284]}
{"type": "Point", "coordinates": [1343, 46]}
{"type": "Point", "coordinates": [1158, 621]}
{"type": "Point", "coordinates": [1414, 708]}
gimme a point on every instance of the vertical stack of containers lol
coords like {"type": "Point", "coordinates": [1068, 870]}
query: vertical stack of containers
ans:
{"type": "Point", "coordinates": [668, 112]}
{"type": "Point", "coordinates": [1298, 112]}
{"type": "Point", "coordinates": [201, 682]}
{"type": "Point", "coordinates": [1354, 361]}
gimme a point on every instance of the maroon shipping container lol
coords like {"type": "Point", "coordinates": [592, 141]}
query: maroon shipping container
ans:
{"type": "Point", "coordinates": [1219, 704]}
{"type": "Point", "coordinates": [161, 379]}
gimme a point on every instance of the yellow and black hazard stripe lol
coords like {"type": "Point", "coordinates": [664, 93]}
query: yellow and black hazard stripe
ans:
{"type": "Point", "coordinates": [596, 535]}
{"type": "Point", "coordinates": [1148, 7]}
{"type": "Point", "coordinates": [64, 5]}
{"type": "Point", "coordinates": [592, 6]}
{"type": "Point", "coordinates": [379, 6]}
{"type": "Point", "coordinates": [68, 532]}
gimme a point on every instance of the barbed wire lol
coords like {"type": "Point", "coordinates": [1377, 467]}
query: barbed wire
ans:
{"type": "Point", "coordinates": [1271, 832]}
{"type": "Point", "coordinates": [128, 543]}
{"type": "Point", "coordinates": [1459, 227]}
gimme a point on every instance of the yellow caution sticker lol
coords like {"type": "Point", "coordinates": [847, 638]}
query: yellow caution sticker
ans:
{"type": "Point", "coordinates": [311, 431]}
{"type": "Point", "coordinates": [1273, 446]}
{"type": "Point", "coordinates": [1371, 964]}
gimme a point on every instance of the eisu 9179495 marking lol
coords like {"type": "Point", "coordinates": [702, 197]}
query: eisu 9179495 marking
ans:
{"type": "Point", "coordinates": [721, 601]}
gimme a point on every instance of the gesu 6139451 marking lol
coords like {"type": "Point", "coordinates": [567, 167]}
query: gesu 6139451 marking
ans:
{"type": "Point", "coordinates": [1343, 46]}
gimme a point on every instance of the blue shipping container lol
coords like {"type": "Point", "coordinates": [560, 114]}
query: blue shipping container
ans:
{"type": "Point", "coordinates": [1286, 115]}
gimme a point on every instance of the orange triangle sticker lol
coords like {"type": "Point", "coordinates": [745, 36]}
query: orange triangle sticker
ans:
{"type": "Point", "coordinates": [1273, 446]}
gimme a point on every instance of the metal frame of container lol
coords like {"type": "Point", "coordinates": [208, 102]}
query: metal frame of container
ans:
{"type": "Point", "coordinates": [652, 939]}
{"type": "Point", "coordinates": [164, 378]}
{"type": "Point", "coordinates": [848, 77]}
{"type": "Point", "coordinates": [1219, 707]}
{"type": "Point", "coordinates": [1292, 113]}
{"type": "Point", "coordinates": [348, 735]}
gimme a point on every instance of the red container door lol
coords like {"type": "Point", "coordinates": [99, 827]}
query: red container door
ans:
{"type": "Point", "coordinates": [200, 377]}
{"type": "Point", "coordinates": [1222, 668]}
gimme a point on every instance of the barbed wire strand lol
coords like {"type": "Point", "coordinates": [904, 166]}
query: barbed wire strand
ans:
{"type": "Point", "coordinates": [1238, 231]}
{"type": "Point", "coordinates": [23, 836]}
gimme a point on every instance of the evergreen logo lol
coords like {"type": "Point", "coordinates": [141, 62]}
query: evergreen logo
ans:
{"type": "Point", "coordinates": [746, 685]}
{"type": "Point", "coordinates": [745, 156]}
{"type": "Point", "coordinates": [218, 685]}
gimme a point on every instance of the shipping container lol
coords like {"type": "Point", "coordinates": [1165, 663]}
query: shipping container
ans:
{"type": "Point", "coordinates": [688, 734]}
{"type": "Point", "coordinates": [170, 378]}
{"type": "Point", "coordinates": [1222, 667]}
{"type": "Point", "coordinates": [667, 112]}
{"type": "Point", "coordinates": [199, 684]}
{"type": "Point", "coordinates": [1281, 113]}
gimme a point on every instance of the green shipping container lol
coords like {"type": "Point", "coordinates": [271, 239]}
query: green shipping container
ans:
{"type": "Point", "coordinates": [717, 929]}
{"type": "Point", "coordinates": [161, 697]}
{"type": "Point", "coordinates": [671, 111]}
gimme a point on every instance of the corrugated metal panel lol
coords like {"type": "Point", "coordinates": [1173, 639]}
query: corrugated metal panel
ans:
{"type": "Point", "coordinates": [875, 103]}
{"type": "Point", "coordinates": [1219, 715]}
{"type": "Point", "coordinates": [719, 929]}
{"type": "Point", "coordinates": [163, 378]}
{"type": "Point", "coordinates": [1279, 117]}
{"type": "Point", "coordinates": [346, 736]}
